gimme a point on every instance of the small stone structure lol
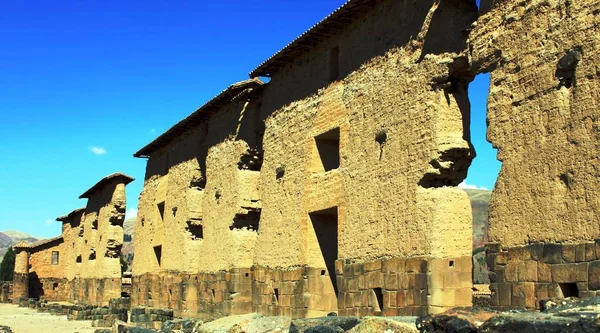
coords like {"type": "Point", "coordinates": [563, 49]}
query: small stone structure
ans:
{"type": "Point", "coordinates": [83, 264]}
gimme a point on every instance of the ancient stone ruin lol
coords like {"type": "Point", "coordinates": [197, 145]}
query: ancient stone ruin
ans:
{"type": "Point", "coordinates": [82, 265]}
{"type": "Point", "coordinates": [333, 187]}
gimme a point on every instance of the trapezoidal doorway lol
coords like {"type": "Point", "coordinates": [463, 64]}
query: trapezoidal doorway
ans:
{"type": "Point", "coordinates": [325, 225]}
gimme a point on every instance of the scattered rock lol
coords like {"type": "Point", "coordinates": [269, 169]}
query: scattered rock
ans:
{"type": "Point", "coordinates": [5, 329]}
{"type": "Point", "coordinates": [380, 324]}
{"type": "Point", "coordinates": [324, 325]}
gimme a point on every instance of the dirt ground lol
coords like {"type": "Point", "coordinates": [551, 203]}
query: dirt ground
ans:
{"type": "Point", "coordinates": [23, 320]}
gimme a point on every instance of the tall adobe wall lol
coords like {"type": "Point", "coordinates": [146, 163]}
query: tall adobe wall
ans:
{"type": "Point", "coordinates": [545, 206]}
{"type": "Point", "coordinates": [190, 256]}
{"type": "Point", "coordinates": [356, 198]}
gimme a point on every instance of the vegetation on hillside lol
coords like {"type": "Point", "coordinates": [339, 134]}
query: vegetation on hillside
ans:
{"type": "Point", "coordinates": [7, 266]}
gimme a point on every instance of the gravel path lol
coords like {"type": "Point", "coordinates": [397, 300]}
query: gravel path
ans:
{"type": "Point", "coordinates": [24, 320]}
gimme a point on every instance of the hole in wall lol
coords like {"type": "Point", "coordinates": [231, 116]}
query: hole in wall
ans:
{"type": "Point", "coordinates": [451, 263]}
{"type": "Point", "coordinates": [248, 220]}
{"type": "Point", "coordinates": [276, 294]}
{"type": "Point", "coordinates": [195, 231]}
{"type": "Point", "coordinates": [55, 286]}
{"type": "Point", "coordinates": [213, 293]}
{"type": "Point", "coordinates": [247, 274]}
{"type": "Point", "coordinates": [569, 290]}
{"type": "Point", "coordinates": [381, 138]}
{"type": "Point", "coordinates": [217, 195]}
{"type": "Point", "coordinates": [95, 225]}
{"type": "Point", "coordinates": [78, 259]}
{"type": "Point", "coordinates": [328, 147]}
{"type": "Point", "coordinates": [325, 225]}
{"type": "Point", "coordinates": [323, 272]}
{"type": "Point", "coordinates": [279, 172]}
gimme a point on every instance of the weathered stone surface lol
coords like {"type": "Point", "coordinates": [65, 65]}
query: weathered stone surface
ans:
{"type": "Point", "coordinates": [178, 326]}
{"type": "Point", "coordinates": [233, 324]}
{"type": "Point", "coordinates": [378, 325]}
{"type": "Point", "coordinates": [459, 320]}
{"type": "Point", "coordinates": [323, 325]}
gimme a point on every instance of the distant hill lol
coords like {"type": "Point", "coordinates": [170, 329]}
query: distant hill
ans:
{"type": "Point", "coordinates": [12, 237]}
{"type": "Point", "coordinates": [480, 200]}
{"type": "Point", "coordinates": [128, 228]}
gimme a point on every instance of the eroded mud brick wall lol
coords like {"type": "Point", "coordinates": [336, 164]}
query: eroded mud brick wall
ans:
{"type": "Point", "coordinates": [199, 211]}
{"type": "Point", "coordinates": [365, 138]}
{"type": "Point", "coordinates": [83, 264]}
{"type": "Point", "coordinates": [21, 275]}
{"type": "Point", "coordinates": [96, 268]}
{"type": "Point", "coordinates": [543, 119]}
{"type": "Point", "coordinates": [370, 162]}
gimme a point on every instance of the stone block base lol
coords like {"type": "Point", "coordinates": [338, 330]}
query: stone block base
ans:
{"type": "Point", "coordinates": [523, 276]}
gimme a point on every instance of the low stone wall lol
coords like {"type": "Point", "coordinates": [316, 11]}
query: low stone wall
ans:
{"type": "Point", "coordinates": [95, 291]}
{"type": "Point", "coordinates": [49, 289]}
{"type": "Point", "coordinates": [150, 318]}
{"type": "Point", "coordinates": [390, 287]}
{"type": "Point", "coordinates": [403, 287]}
{"type": "Point", "coordinates": [6, 291]}
{"type": "Point", "coordinates": [523, 276]}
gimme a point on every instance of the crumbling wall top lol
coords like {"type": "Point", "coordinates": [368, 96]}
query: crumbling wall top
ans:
{"type": "Point", "coordinates": [104, 181]}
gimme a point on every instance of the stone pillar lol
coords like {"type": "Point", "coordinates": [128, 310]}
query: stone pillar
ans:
{"type": "Point", "coordinates": [21, 276]}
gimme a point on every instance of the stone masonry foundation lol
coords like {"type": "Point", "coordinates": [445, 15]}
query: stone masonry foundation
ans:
{"type": "Point", "coordinates": [523, 276]}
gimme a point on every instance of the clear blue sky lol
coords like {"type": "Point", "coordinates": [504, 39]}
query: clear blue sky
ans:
{"type": "Point", "coordinates": [85, 84]}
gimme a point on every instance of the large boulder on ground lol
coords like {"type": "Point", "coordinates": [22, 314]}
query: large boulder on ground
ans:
{"type": "Point", "coordinates": [231, 324]}
{"type": "Point", "coordinates": [538, 323]}
{"type": "Point", "coordinates": [324, 325]}
{"type": "Point", "coordinates": [379, 325]}
{"type": "Point", "coordinates": [458, 320]}
{"type": "Point", "coordinates": [265, 324]}
{"type": "Point", "coordinates": [559, 316]}
{"type": "Point", "coordinates": [5, 329]}
{"type": "Point", "coordinates": [178, 326]}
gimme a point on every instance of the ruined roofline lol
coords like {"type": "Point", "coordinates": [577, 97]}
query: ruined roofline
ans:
{"type": "Point", "coordinates": [326, 28]}
{"type": "Point", "coordinates": [45, 241]}
{"type": "Point", "coordinates": [67, 217]}
{"type": "Point", "coordinates": [104, 181]}
{"type": "Point", "coordinates": [201, 114]}
{"type": "Point", "coordinates": [22, 245]}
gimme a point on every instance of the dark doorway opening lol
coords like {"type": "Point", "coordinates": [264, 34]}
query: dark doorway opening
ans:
{"type": "Point", "coordinates": [158, 254]}
{"type": "Point", "coordinates": [325, 224]}
{"type": "Point", "coordinates": [569, 289]}
{"type": "Point", "coordinates": [482, 173]}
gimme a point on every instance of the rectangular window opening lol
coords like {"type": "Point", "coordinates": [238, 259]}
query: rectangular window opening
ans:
{"type": "Point", "coordinates": [54, 257]}
{"type": "Point", "coordinates": [158, 254]}
{"type": "Point", "coordinates": [328, 147]}
{"type": "Point", "coordinates": [334, 64]}
{"type": "Point", "coordinates": [161, 210]}
{"type": "Point", "coordinates": [325, 224]}
{"type": "Point", "coordinates": [276, 294]}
